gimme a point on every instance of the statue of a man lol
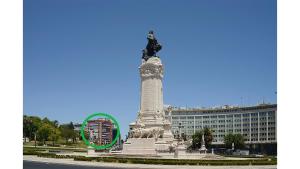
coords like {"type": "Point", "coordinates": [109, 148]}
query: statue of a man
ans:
{"type": "Point", "coordinates": [152, 47]}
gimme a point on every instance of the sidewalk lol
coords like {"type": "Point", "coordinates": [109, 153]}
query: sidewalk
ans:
{"type": "Point", "coordinates": [139, 166]}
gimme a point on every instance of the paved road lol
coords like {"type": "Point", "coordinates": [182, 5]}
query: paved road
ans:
{"type": "Point", "coordinates": [42, 165]}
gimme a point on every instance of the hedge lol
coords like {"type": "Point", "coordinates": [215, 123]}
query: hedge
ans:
{"type": "Point", "coordinates": [176, 161]}
{"type": "Point", "coordinates": [263, 161]}
{"type": "Point", "coordinates": [55, 148]}
{"type": "Point", "coordinates": [50, 155]}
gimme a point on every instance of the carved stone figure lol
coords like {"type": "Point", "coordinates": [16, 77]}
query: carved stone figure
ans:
{"type": "Point", "coordinates": [153, 132]}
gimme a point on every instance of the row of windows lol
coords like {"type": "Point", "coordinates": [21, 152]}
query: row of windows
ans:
{"type": "Point", "coordinates": [245, 130]}
{"type": "Point", "coordinates": [254, 121]}
{"type": "Point", "coordinates": [220, 137]}
{"type": "Point", "coordinates": [252, 139]}
{"type": "Point", "coordinates": [245, 126]}
{"type": "Point", "coordinates": [197, 113]}
{"type": "Point", "coordinates": [271, 114]}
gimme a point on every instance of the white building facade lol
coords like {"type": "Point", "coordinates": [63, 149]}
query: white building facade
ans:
{"type": "Point", "coordinates": [256, 123]}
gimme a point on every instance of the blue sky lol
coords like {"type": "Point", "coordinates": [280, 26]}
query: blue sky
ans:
{"type": "Point", "coordinates": [82, 56]}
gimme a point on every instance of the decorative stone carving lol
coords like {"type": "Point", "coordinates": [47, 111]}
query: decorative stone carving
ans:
{"type": "Point", "coordinates": [153, 132]}
{"type": "Point", "coordinates": [152, 69]}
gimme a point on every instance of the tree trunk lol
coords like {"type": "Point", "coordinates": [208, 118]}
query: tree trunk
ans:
{"type": "Point", "coordinates": [35, 140]}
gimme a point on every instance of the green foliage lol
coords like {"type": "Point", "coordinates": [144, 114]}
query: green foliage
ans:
{"type": "Point", "coordinates": [51, 155]}
{"type": "Point", "coordinates": [30, 153]}
{"type": "Point", "coordinates": [197, 138]}
{"type": "Point", "coordinates": [67, 132]}
{"type": "Point", "coordinates": [178, 162]}
{"type": "Point", "coordinates": [44, 132]}
{"type": "Point", "coordinates": [46, 129]}
{"type": "Point", "coordinates": [258, 161]}
{"type": "Point", "coordinates": [30, 126]}
{"type": "Point", "coordinates": [54, 134]}
{"type": "Point", "coordinates": [54, 149]}
{"type": "Point", "coordinates": [237, 139]}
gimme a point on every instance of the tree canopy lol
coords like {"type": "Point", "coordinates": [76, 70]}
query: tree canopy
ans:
{"type": "Point", "coordinates": [30, 126]}
{"type": "Point", "coordinates": [67, 131]}
{"type": "Point", "coordinates": [47, 130]}
{"type": "Point", "coordinates": [197, 138]}
{"type": "Point", "coordinates": [237, 139]}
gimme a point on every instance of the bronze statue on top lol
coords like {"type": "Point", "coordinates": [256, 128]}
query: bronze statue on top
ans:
{"type": "Point", "coordinates": [152, 47]}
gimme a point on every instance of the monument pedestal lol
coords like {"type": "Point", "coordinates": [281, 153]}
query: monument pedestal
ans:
{"type": "Point", "coordinates": [203, 148]}
{"type": "Point", "coordinates": [151, 132]}
{"type": "Point", "coordinates": [180, 151]}
{"type": "Point", "coordinates": [143, 146]}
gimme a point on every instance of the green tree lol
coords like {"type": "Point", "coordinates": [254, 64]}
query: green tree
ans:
{"type": "Point", "coordinates": [197, 138]}
{"type": "Point", "coordinates": [27, 125]}
{"type": "Point", "coordinates": [44, 129]}
{"type": "Point", "coordinates": [54, 134]}
{"type": "Point", "coordinates": [46, 120]}
{"type": "Point", "coordinates": [55, 123]}
{"type": "Point", "coordinates": [67, 132]}
{"type": "Point", "coordinates": [74, 134]}
{"type": "Point", "coordinates": [208, 136]}
{"type": "Point", "coordinates": [44, 132]}
{"type": "Point", "coordinates": [30, 126]}
{"type": "Point", "coordinates": [237, 139]}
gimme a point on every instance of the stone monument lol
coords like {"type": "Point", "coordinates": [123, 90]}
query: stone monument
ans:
{"type": "Point", "coordinates": [151, 132]}
{"type": "Point", "coordinates": [203, 148]}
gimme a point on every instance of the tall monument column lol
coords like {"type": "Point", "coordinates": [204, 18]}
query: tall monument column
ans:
{"type": "Point", "coordinates": [151, 132]}
{"type": "Point", "coordinates": [151, 106]}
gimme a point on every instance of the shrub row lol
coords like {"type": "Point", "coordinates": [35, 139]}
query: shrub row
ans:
{"type": "Point", "coordinates": [27, 151]}
{"type": "Point", "coordinates": [30, 153]}
{"type": "Point", "coordinates": [46, 155]}
{"type": "Point", "coordinates": [263, 161]}
{"type": "Point", "coordinates": [55, 148]}
{"type": "Point", "coordinates": [176, 162]}
{"type": "Point", "coordinates": [51, 155]}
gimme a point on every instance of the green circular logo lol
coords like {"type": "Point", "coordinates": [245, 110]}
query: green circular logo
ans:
{"type": "Point", "coordinates": [99, 147]}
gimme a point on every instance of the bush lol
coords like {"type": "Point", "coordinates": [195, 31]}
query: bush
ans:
{"type": "Point", "coordinates": [82, 158]}
{"type": "Point", "coordinates": [261, 161]}
{"type": "Point", "coordinates": [178, 162]}
{"type": "Point", "coordinates": [50, 155]}
{"type": "Point", "coordinates": [30, 153]}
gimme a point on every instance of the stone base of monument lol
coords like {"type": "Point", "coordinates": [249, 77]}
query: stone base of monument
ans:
{"type": "Point", "coordinates": [145, 146]}
{"type": "Point", "coordinates": [180, 151]}
{"type": "Point", "coordinates": [203, 149]}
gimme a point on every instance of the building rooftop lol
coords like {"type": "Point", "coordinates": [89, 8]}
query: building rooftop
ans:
{"type": "Point", "coordinates": [225, 108]}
